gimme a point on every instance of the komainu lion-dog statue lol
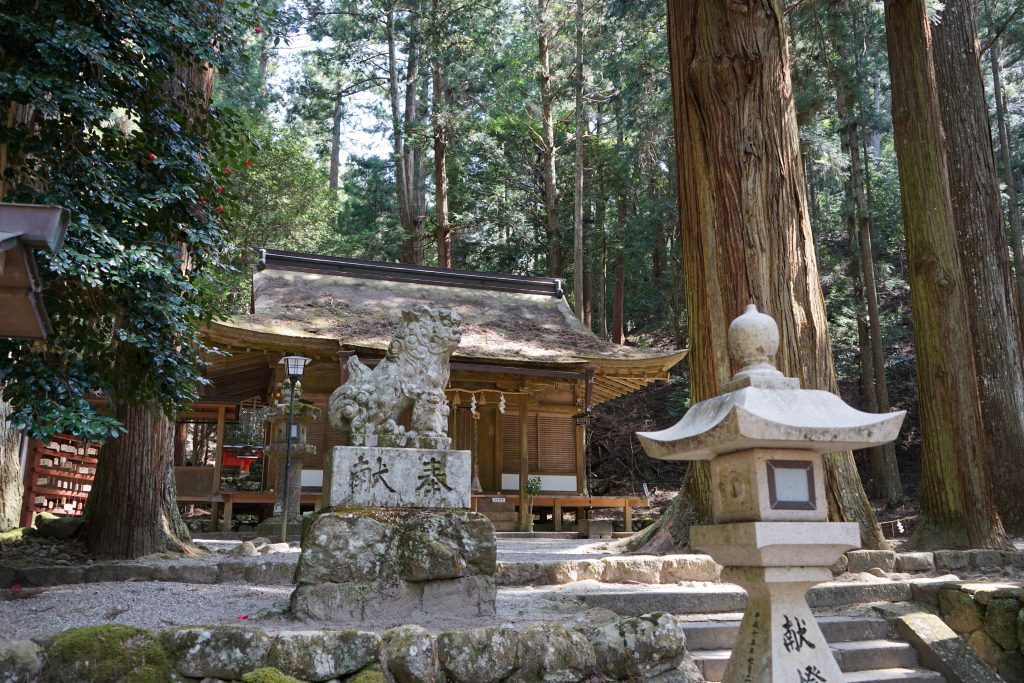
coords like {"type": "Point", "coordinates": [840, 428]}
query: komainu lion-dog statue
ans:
{"type": "Point", "coordinates": [414, 373]}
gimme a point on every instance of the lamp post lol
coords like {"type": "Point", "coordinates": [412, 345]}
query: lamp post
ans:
{"type": "Point", "coordinates": [294, 367]}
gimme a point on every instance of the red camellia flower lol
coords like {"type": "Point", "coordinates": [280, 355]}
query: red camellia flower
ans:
{"type": "Point", "coordinates": [227, 170]}
{"type": "Point", "coordinates": [220, 188]}
{"type": "Point", "coordinates": [152, 156]}
{"type": "Point", "coordinates": [15, 587]}
{"type": "Point", "coordinates": [258, 30]}
{"type": "Point", "coordinates": [202, 200]}
{"type": "Point", "coordinates": [219, 209]}
{"type": "Point", "coordinates": [243, 616]}
{"type": "Point", "coordinates": [248, 163]}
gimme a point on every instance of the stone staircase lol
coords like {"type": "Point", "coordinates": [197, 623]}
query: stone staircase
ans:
{"type": "Point", "coordinates": [502, 515]}
{"type": "Point", "coordinates": [864, 647]}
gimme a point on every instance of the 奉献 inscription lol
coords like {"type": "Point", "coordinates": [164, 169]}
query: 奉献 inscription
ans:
{"type": "Point", "coordinates": [374, 476]}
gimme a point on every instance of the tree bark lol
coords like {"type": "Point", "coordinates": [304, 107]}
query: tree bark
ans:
{"type": "Point", "coordinates": [131, 509]}
{"type": "Point", "coordinates": [746, 235]}
{"type": "Point", "coordinates": [984, 251]}
{"type": "Point", "coordinates": [1011, 182]}
{"type": "Point", "coordinates": [335, 147]}
{"type": "Point", "coordinates": [957, 507]}
{"type": "Point", "coordinates": [577, 233]}
{"type": "Point", "coordinates": [885, 468]}
{"type": "Point", "coordinates": [400, 118]}
{"type": "Point", "coordinates": [618, 333]}
{"type": "Point", "coordinates": [443, 232]}
{"type": "Point", "coordinates": [555, 266]}
{"type": "Point", "coordinates": [11, 486]}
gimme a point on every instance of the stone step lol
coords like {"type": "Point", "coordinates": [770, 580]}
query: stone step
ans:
{"type": "Point", "coordinates": [895, 675]}
{"type": "Point", "coordinates": [862, 657]}
{"type": "Point", "coordinates": [718, 598]}
{"type": "Point", "coordinates": [721, 634]}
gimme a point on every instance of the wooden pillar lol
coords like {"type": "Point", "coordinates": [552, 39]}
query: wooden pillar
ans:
{"type": "Point", "coordinates": [218, 464]}
{"type": "Point", "coordinates": [524, 459]}
{"type": "Point", "coordinates": [557, 507]}
{"type": "Point", "coordinates": [627, 516]}
{"type": "Point", "coordinates": [180, 435]}
{"type": "Point", "coordinates": [499, 450]}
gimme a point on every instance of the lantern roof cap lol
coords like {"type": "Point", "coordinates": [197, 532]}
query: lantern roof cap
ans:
{"type": "Point", "coordinates": [762, 408]}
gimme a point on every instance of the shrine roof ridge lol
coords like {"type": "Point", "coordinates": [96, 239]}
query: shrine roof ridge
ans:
{"type": "Point", "coordinates": [403, 272]}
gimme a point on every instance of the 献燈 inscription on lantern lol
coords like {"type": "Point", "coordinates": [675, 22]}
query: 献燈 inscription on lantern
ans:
{"type": "Point", "coordinates": [374, 476]}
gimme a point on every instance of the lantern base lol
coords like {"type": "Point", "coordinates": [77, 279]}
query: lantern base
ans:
{"type": "Point", "coordinates": [779, 639]}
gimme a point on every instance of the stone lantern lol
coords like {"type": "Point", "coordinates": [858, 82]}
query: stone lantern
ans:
{"type": "Point", "coordinates": [277, 416]}
{"type": "Point", "coordinates": [764, 437]}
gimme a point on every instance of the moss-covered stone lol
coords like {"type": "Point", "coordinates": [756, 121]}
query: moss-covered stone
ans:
{"type": "Point", "coordinates": [483, 655]}
{"type": "Point", "coordinates": [322, 655]}
{"type": "Point", "coordinates": [58, 527]}
{"type": "Point", "coordinates": [108, 654]}
{"type": "Point", "coordinates": [16, 535]}
{"type": "Point", "coordinates": [554, 654]}
{"type": "Point", "coordinates": [379, 563]}
{"type": "Point", "coordinates": [639, 647]}
{"type": "Point", "coordinates": [1001, 622]}
{"type": "Point", "coordinates": [268, 674]}
{"type": "Point", "coordinates": [19, 662]}
{"type": "Point", "coordinates": [371, 674]}
{"type": "Point", "coordinates": [959, 610]}
{"type": "Point", "coordinates": [987, 649]}
{"type": "Point", "coordinates": [410, 655]}
{"type": "Point", "coordinates": [1011, 666]}
{"type": "Point", "coordinates": [1020, 628]}
{"type": "Point", "coordinates": [217, 651]}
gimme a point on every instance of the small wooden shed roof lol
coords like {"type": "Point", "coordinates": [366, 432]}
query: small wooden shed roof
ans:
{"type": "Point", "coordinates": [315, 302]}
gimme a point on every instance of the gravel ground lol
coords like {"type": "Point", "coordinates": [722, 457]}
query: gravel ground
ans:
{"type": "Point", "coordinates": [157, 605]}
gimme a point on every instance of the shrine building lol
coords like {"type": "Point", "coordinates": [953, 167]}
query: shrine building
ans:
{"type": "Point", "coordinates": [524, 358]}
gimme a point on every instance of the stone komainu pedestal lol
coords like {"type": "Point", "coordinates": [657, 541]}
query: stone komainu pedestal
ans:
{"type": "Point", "coordinates": [395, 539]}
{"type": "Point", "coordinates": [386, 564]}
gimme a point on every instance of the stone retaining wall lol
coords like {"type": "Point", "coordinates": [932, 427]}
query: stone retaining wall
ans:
{"type": "Point", "coordinates": [989, 617]}
{"type": "Point", "coordinates": [596, 644]}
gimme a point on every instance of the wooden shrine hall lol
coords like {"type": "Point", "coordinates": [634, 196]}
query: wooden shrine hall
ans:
{"type": "Point", "coordinates": [524, 359]}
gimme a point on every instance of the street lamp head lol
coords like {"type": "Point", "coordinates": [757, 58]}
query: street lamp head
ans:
{"type": "Point", "coordinates": [294, 366]}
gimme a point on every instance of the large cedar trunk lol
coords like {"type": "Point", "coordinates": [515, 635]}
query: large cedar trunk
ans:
{"type": "Point", "coordinates": [957, 509]}
{"type": "Point", "coordinates": [884, 466]}
{"type": "Point", "coordinates": [131, 509]}
{"type": "Point", "coordinates": [1008, 177]}
{"type": "Point", "coordinates": [746, 234]}
{"type": "Point", "coordinates": [11, 488]}
{"type": "Point", "coordinates": [441, 137]}
{"type": "Point", "coordinates": [984, 251]}
{"type": "Point", "coordinates": [555, 266]}
{"type": "Point", "coordinates": [577, 233]}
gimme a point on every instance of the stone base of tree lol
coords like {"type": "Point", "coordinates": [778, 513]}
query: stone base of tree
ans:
{"type": "Point", "coordinates": [382, 563]}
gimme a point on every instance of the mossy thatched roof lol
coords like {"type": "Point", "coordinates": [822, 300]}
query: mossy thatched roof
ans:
{"type": "Point", "coordinates": [500, 324]}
